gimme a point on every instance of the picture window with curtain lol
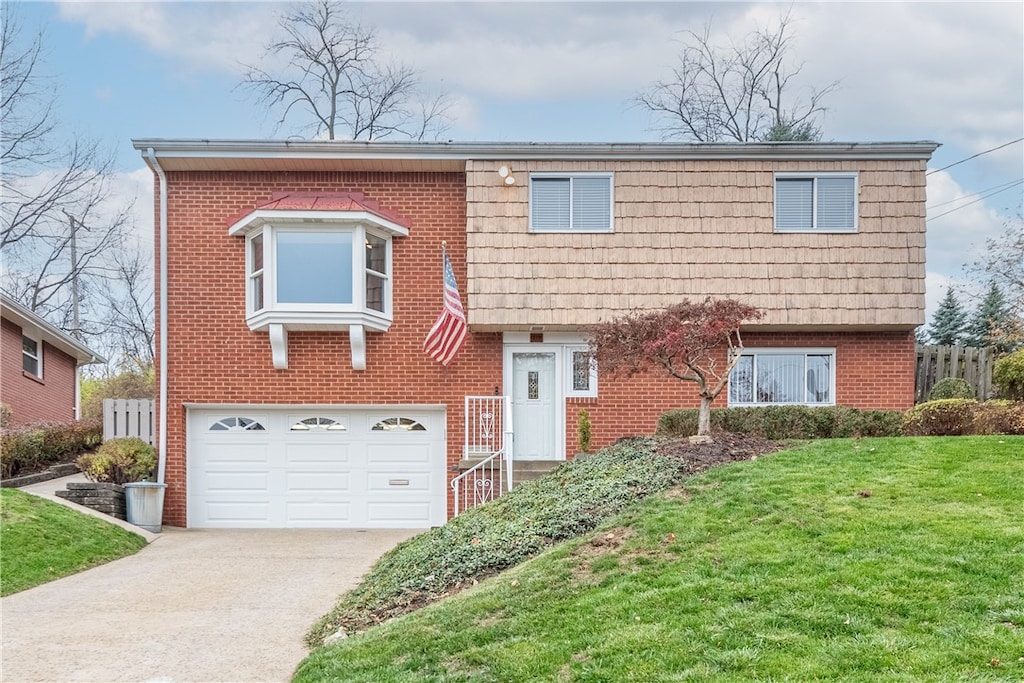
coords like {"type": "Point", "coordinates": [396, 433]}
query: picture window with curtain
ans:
{"type": "Point", "coordinates": [571, 203]}
{"type": "Point", "coordinates": [815, 203]}
{"type": "Point", "coordinates": [784, 377]}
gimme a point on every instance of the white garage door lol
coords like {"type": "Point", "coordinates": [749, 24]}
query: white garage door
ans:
{"type": "Point", "coordinates": [271, 468]}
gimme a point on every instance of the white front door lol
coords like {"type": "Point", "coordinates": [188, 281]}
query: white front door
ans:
{"type": "Point", "coordinates": [534, 404]}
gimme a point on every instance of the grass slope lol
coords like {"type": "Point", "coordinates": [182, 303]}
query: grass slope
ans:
{"type": "Point", "coordinates": [873, 560]}
{"type": "Point", "coordinates": [41, 540]}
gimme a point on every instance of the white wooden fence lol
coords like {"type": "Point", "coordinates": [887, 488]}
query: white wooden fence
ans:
{"type": "Point", "coordinates": [128, 417]}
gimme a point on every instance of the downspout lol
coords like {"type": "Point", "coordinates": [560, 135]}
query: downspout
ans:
{"type": "Point", "coordinates": [162, 399]}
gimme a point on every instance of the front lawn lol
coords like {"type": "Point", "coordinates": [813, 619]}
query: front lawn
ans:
{"type": "Point", "coordinates": [863, 560]}
{"type": "Point", "coordinates": [41, 540]}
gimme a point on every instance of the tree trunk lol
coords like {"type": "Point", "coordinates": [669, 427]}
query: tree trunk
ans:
{"type": "Point", "coordinates": [704, 416]}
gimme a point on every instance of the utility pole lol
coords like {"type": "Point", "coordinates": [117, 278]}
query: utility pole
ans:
{"type": "Point", "coordinates": [76, 330]}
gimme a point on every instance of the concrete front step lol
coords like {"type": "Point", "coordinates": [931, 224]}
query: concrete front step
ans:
{"type": "Point", "coordinates": [522, 470]}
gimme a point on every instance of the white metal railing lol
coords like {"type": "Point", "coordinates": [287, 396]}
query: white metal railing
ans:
{"type": "Point", "coordinates": [481, 483]}
{"type": "Point", "coordinates": [488, 435]}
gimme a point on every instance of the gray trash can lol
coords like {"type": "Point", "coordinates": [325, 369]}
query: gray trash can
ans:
{"type": "Point", "coordinates": [144, 503]}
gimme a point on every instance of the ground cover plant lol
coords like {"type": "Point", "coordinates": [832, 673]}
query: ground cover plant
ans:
{"type": "Point", "coordinates": [570, 501]}
{"type": "Point", "coordinates": [41, 540]}
{"type": "Point", "coordinates": [890, 559]}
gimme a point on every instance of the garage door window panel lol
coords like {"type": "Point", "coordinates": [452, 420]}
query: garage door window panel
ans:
{"type": "Point", "coordinates": [398, 424]}
{"type": "Point", "coordinates": [236, 424]}
{"type": "Point", "coordinates": [322, 424]}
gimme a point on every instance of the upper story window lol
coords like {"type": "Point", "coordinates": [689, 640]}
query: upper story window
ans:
{"type": "Point", "coordinates": [825, 202]}
{"type": "Point", "coordinates": [318, 261]}
{"type": "Point", "coordinates": [580, 202]}
{"type": "Point", "coordinates": [319, 270]}
{"type": "Point", "coordinates": [32, 356]}
{"type": "Point", "coordinates": [784, 376]}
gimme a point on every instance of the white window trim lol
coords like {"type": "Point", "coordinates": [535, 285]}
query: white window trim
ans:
{"type": "Point", "coordinates": [570, 392]}
{"type": "Point", "coordinates": [581, 174]}
{"type": "Point", "coordinates": [782, 351]}
{"type": "Point", "coordinates": [38, 339]}
{"type": "Point", "coordinates": [355, 318]}
{"type": "Point", "coordinates": [814, 206]}
{"type": "Point", "coordinates": [356, 311]}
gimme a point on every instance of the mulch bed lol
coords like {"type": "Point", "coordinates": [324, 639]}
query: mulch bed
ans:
{"type": "Point", "coordinates": [725, 447]}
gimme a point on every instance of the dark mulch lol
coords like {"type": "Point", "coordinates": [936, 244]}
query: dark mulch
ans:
{"type": "Point", "coordinates": [724, 447]}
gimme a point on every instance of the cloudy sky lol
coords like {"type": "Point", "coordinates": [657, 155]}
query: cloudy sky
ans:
{"type": "Point", "coordinates": [952, 72]}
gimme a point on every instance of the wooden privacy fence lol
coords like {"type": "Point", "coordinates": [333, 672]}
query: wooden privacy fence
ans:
{"type": "Point", "coordinates": [128, 417]}
{"type": "Point", "coordinates": [971, 364]}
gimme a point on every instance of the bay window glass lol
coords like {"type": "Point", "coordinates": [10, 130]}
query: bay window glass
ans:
{"type": "Point", "coordinates": [314, 267]}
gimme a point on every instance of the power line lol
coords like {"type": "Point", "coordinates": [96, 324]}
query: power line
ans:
{"type": "Point", "coordinates": [980, 198]}
{"type": "Point", "coordinates": [956, 163]}
{"type": "Point", "coordinates": [999, 188]}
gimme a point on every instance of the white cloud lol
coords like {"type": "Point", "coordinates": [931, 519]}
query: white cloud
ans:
{"type": "Point", "coordinates": [957, 238]}
{"type": "Point", "coordinates": [200, 36]}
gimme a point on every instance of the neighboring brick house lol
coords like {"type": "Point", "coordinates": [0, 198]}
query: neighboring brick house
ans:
{"type": "Point", "coordinates": [302, 277]}
{"type": "Point", "coordinates": [39, 379]}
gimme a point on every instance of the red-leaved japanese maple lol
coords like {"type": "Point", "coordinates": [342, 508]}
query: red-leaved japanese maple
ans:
{"type": "Point", "coordinates": [685, 339]}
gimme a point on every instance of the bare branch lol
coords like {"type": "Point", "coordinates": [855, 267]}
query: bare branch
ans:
{"type": "Point", "coordinates": [333, 78]}
{"type": "Point", "coordinates": [740, 92]}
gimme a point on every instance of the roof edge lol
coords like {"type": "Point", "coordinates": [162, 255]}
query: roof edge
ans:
{"type": "Point", "coordinates": [465, 151]}
{"type": "Point", "coordinates": [51, 335]}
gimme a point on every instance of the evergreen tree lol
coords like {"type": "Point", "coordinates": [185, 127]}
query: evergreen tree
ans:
{"type": "Point", "coordinates": [988, 320]}
{"type": "Point", "coordinates": [994, 324]}
{"type": "Point", "coordinates": [949, 321]}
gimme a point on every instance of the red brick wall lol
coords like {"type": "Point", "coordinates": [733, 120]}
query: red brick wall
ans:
{"type": "Point", "coordinates": [214, 358]}
{"type": "Point", "coordinates": [32, 399]}
{"type": "Point", "coordinates": [874, 370]}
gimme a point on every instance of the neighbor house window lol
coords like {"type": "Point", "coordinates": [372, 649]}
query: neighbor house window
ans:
{"type": "Point", "coordinates": [32, 356]}
{"type": "Point", "coordinates": [824, 202]}
{"type": "Point", "coordinates": [571, 203]}
{"type": "Point", "coordinates": [582, 372]}
{"type": "Point", "coordinates": [311, 272]}
{"type": "Point", "coordinates": [783, 376]}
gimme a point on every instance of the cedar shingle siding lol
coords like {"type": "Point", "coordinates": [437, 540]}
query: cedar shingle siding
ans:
{"type": "Point", "coordinates": [697, 228]}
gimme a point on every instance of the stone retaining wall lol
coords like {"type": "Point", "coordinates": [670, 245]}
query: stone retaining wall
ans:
{"type": "Point", "coordinates": [102, 497]}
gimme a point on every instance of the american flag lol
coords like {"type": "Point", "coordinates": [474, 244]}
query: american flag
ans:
{"type": "Point", "coordinates": [449, 331]}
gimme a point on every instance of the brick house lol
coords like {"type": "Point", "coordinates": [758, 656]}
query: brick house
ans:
{"type": "Point", "coordinates": [298, 280]}
{"type": "Point", "coordinates": [39, 379]}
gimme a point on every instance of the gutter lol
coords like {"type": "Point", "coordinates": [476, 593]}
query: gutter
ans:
{"type": "Point", "coordinates": [162, 400]}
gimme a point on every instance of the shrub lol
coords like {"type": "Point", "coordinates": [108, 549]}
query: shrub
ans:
{"type": "Point", "coordinates": [998, 417]}
{"type": "Point", "coordinates": [120, 461]}
{"type": "Point", "coordinates": [583, 430]}
{"type": "Point", "coordinates": [945, 417]}
{"type": "Point", "coordinates": [950, 387]}
{"type": "Point", "coordinates": [788, 422]}
{"type": "Point", "coordinates": [40, 444]}
{"type": "Point", "coordinates": [1008, 376]}
{"type": "Point", "coordinates": [5, 416]}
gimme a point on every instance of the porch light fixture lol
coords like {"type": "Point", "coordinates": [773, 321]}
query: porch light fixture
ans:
{"type": "Point", "coordinates": [506, 173]}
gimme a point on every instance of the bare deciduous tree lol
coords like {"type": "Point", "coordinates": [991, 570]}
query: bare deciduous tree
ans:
{"type": "Point", "coordinates": [333, 74]}
{"type": "Point", "coordinates": [742, 91]}
{"type": "Point", "coordinates": [60, 221]}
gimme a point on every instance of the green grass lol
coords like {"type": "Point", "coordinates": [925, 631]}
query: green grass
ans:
{"type": "Point", "coordinates": [41, 540]}
{"type": "Point", "coordinates": [895, 559]}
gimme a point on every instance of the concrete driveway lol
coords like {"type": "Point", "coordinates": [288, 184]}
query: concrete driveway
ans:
{"type": "Point", "coordinates": [194, 605]}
